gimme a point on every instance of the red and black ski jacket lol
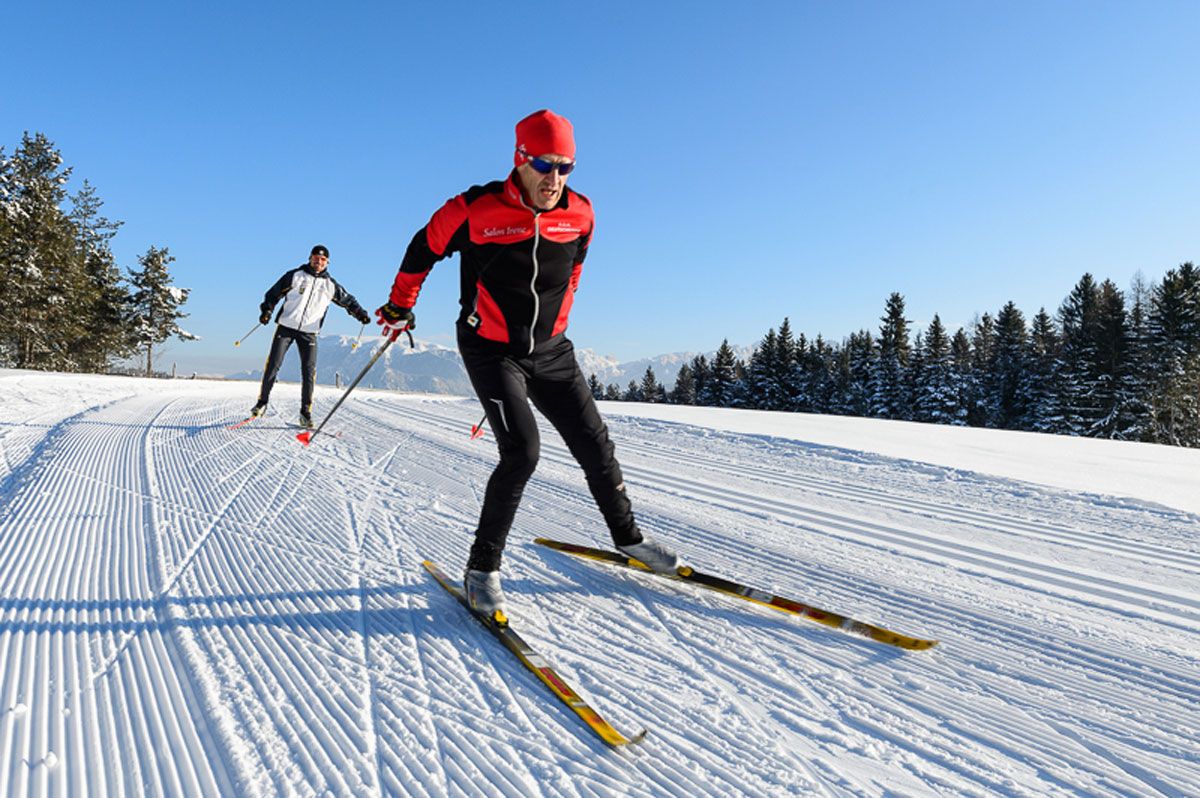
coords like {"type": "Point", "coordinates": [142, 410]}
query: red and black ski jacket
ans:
{"type": "Point", "coordinates": [519, 266]}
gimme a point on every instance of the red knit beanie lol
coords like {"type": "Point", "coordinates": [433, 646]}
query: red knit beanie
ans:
{"type": "Point", "coordinates": [543, 133]}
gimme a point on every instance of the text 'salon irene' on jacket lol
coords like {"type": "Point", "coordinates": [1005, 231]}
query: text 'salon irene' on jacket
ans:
{"type": "Point", "coordinates": [520, 266]}
{"type": "Point", "coordinates": [306, 297]}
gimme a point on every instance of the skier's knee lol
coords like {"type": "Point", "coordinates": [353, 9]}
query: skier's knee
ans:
{"type": "Point", "coordinates": [521, 460]}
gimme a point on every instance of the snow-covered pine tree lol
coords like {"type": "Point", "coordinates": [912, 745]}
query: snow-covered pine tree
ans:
{"type": "Point", "coordinates": [889, 394]}
{"type": "Point", "coordinates": [1078, 319]}
{"type": "Point", "coordinates": [701, 375]}
{"type": "Point", "coordinates": [857, 368]}
{"type": "Point", "coordinates": [1038, 383]}
{"type": "Point", "coordinates": [8, 193]}
{"type": "Point", "coordinates": [684, 390]}
{"type": "Point", "coordinates": [1113, 397]}
{"type": "Point", "coordinates": [937, 398]}
{"type": "Point", "coordinates": [651, 389]}
{"type": "Point", "coordinates": [789, 377]}
{"type": "Point", "coordinates": [1139, 374]}
{"type": "Point", "coordinates": [41, 275]}
{"type": "Point", "coordinates": [103, 333]}
{"type": "Point", "coordinates": [155, 304]}
{"type": "Point", "coordinates": [1005, 401]}
{"type": "Point", "coordinates": [595, 386]}
{"type": "Point", "coordinates": [1175, 345]}
{"type": "Point", "coordinates": [983, 344]}
{"type": "Point", "coordinates": [762, 374]}
{"type": "Point", "coordinates": [962, 374]}
{"type": "Point", "coordinates": [720, 389]}
{"type": "Point", "coordinates": [817, 366]}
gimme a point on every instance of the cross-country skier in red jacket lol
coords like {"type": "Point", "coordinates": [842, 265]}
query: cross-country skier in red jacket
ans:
{"type": "Point", "coordinates": [522, 242]}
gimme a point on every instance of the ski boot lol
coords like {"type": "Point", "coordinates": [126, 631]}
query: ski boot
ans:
{"type": "Point", "coordinates": [653, 555]}
{"type": "Point", "coordinates": [484, 594]}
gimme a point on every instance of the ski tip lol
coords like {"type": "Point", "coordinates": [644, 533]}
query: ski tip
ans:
{"type": "Point", "coordinates": [305, 437]}
{"type": "Point", "coordinates": [637, 738]}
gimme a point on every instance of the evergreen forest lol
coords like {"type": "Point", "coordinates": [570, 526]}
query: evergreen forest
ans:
{"type": "Point", "coordinates": [65, 304]}
{"type": "Point", "coordinates": [1108, 364]}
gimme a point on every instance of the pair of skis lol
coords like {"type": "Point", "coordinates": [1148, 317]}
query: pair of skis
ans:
{"type": "Point", "coordinates": [498, 625]}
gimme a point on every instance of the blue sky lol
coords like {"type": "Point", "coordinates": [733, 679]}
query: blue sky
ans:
{"type": "Point", "coordinates": [796, 159]}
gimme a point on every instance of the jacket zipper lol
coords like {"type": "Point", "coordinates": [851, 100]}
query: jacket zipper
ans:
{"type": "Point", "coordinates": [307, 302]}
{"type": "Point", "coordinates": [537, 234]}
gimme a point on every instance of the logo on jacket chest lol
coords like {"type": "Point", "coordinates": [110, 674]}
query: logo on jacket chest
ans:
{"type": "Point", "coordinates": [505, 232]}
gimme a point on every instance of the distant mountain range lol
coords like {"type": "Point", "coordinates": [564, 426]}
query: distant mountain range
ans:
{"type": "Point", "coordinates": [431, 368]}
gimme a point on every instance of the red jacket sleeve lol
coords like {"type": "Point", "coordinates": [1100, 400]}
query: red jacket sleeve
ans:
{"type": "Point", "coordinates": [442, 236]}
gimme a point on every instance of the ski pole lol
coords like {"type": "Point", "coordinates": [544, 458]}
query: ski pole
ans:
{"type": "Point", "coordinates": [307, 435]}
{"type": "Point", "coordinates": [247, 335]}
{"type": "Point", "coordinates": [358, 340]}
{"type": "Point", "coordinates": [477, 430]}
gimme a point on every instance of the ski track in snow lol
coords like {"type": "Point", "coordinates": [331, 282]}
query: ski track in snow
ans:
{"type": "Point", "coordinates": [186, 609]}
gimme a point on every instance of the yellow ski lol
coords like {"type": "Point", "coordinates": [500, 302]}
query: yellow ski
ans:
{"type": "Point", "coordinates": [498, 625]}
{"type": "Point", "coordinates": [716, 583]}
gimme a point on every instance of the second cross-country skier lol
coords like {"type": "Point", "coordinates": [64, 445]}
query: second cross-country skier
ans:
{"type": "Point", "coordinates": [306, 292]}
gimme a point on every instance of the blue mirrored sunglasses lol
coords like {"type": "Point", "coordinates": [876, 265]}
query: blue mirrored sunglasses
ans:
{"type": "Point", "coordinates": [545, 167]}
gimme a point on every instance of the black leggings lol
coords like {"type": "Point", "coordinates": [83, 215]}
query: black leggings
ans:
{"type": "Point", "coordinates": [306, 343]}
{"type": "Point", "coordinates": [552, 380]}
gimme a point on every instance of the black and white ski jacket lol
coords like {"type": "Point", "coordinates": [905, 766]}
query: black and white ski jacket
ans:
{"type": "Point", "coordinates": [306, 297]}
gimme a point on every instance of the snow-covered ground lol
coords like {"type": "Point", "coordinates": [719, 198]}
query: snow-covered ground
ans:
{"type": "Point", "coordinates": [186, 609]}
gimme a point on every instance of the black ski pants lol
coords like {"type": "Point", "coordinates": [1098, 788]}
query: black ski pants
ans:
{"type": "Point", "coordinates": [306, 344]}
{"type": "Point", "coordinates": [552, 380]}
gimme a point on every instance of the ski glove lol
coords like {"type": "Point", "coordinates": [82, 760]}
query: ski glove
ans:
{"type": "Point", "coordinates": [265, 317]}
{"type": "Point", "coordinates": [394, 320]}
{"type": "Point", "coordinates": [360, 315]}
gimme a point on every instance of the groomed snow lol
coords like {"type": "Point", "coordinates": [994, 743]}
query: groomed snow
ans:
{"type": "Point", "coordinates": [190, 610]}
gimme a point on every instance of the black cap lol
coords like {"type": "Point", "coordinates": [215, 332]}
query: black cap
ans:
{"type": "Point", "coordinates": [320, 249]}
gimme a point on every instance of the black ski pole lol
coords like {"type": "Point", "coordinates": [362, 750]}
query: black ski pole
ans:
{"type": "Point", "coordinates": [308, 434]}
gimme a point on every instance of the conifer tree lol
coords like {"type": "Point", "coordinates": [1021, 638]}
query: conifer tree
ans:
{"type": "Point", "coordinates": [156, 304]}
{"type": "Point", "coordinates": [983, 344]}
{"type": "Point", "coordinates": [937, 398]}
{"type": "Point", "coordinates": [701, 375]}
{"type": "Point", "coordinates": [962, 373]}
{"type": "Point", "coordinates": [684, 390]}
{"type": "Point", "coordinates": [764, 379]}
{"type": "Point", "coordinates": [1005, 401]}
{"type": "Point", "coordinates": [632, 393]}
{"type": "Point", "coordinates": [889, 397]}
{"type": "Point", "coordinates": [595, 386]}
{"type": "Point", "coordinates": [1042, 412]}
{"type": "Point", "coordinates": [816, 370]}
{"type": "Point", "coordinates": [1174, 327]}
{"type": "Point", "coordinates": [41, 275]}
{"type": "Point", "coordinates": [651, 390]}
{"type": "Point", "coordinates": [721, 385]}
{"type": "Point", "coordinates": [1139, 373]}
{"type": "Point", "coordinates": [787, 378]}
{"type": "Point", "coordinates": [1078, 318]}
{"type": "Point", "coordinates": [858, 368]}
{"type": "Point", "coordinates": [102, 334]}
{"type": "Point", "coordinates": [612, 393]}
{"type": "Point", "coordinates": [8, 212]}
{"type": "Point", "coordinates": [1113, 399]}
